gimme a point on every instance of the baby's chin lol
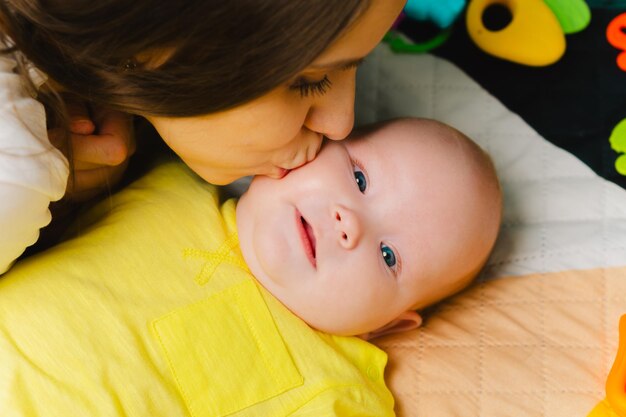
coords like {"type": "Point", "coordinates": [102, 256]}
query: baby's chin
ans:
{"type": "Point", "coordinates": [341, 329]}
{"type": "Point", "coordinates": [330, 324]}
{"type": "Point", "coordinates": [311, 313]}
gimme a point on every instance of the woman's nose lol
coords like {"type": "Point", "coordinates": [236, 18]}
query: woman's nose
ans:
{"type": "Point", "coordinates": [332, 114]}
{"type": "Point", "coordinates": [348, 227]}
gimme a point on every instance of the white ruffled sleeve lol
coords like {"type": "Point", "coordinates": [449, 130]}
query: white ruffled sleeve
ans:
{"type": "Point", "coordinates": [33, 173]}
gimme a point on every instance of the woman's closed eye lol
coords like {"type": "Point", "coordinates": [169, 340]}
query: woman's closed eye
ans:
{"type": "Point", "coordinates": [308, 87]}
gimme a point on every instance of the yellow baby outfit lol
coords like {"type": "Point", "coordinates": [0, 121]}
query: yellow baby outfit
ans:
{"type": "Point", "coordinates": [149, 310]}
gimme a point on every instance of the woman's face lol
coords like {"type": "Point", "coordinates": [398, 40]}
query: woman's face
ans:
{"type": "Point", "coordinates": [284, 128]}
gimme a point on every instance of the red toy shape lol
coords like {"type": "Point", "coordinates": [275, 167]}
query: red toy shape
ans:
{"type": "Point", "coordinates": [616, 37]}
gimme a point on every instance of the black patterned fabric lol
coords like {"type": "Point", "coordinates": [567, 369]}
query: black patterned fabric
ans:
{"type": "Point", "coordinates": [574, 103]}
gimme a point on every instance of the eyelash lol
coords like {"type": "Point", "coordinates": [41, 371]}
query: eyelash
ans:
{"type": "Point", "coordinates": [320, 87]}
{"type": "Point", "coordinates": [307, 88]}
{"type": "Point", "coordinates": [395, 270]}
{"type": "Point", "coordinates": [359, 165]}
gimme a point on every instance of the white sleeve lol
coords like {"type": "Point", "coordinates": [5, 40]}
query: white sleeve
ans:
{"type": "Point", "coordinates": [32, 171]}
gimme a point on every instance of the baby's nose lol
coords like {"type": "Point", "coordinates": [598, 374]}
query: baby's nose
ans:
{"type": "Point", "coordinates": [348, 227]}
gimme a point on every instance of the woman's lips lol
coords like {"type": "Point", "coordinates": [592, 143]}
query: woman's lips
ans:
{"type": "Point", "coordinates": [307, 237]}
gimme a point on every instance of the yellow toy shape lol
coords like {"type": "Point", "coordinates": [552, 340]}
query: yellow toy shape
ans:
{"type": "Point", "coordinates": [534, 36]}
{"type": "Point", "coordinates": [614, 405]}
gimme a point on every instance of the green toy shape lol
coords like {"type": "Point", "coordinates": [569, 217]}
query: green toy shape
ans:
{"type": "Point", "coordinates": [573, 15]}
{"type": "Point", "coordinates": [618, 144]}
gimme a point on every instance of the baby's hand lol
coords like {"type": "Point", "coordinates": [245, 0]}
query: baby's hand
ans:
{"type": "Point", "coordinates": [101, 143]}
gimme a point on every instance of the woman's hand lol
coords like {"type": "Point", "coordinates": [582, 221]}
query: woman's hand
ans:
{"type": "Point", "coordinates": [101, 142]}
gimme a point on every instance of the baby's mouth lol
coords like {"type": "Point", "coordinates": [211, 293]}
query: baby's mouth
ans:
{"type": "Point", "coordinates": [308, 240]}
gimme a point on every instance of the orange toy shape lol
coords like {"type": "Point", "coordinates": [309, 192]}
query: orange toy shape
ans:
{"type": "Point", "coordinates": [616, 37]}
{"type": "Point", "coordinates": [616, 381]}
{"type": "Point", "coordinates": [614, 405]}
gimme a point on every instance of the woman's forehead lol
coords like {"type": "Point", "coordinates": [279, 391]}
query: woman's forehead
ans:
{"type": "Point", "coordinates": [364, 34]}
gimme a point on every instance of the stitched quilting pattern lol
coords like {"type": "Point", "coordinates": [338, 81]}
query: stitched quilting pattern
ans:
{"type": "Point", "coordinates": [536, 345]}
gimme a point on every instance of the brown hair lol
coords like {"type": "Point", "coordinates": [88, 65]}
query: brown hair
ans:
{"type": "Point", "coordinates": [223, 52]}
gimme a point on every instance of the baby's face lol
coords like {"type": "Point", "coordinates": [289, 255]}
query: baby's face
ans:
{"type": "Point", "coordinates": [359, 235]}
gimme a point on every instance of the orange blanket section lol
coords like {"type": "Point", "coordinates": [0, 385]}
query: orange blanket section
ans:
{"type": "Point", "coordinates": [540, 344]}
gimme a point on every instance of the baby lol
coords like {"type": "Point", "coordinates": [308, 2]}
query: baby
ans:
{"type": "Point", "coordinates": [400, 216]}
{"type": "Point", "coordinates": [166, 303]}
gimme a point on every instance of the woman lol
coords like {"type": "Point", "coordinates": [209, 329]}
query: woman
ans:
{"type": "Point", "coordinates": [235, 88]}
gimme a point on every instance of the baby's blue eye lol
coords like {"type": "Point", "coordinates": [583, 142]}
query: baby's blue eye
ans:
{"type": "Point", "coordinates": [388, 255]}
{"type": "Point", "coordinates": [361, 182]}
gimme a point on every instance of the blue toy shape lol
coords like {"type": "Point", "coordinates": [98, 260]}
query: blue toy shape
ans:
{"type": "Point", "coordinates": [441, 12]}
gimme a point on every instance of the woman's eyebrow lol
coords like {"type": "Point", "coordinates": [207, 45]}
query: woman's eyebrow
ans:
{"type": "Point", "coordinates": [342, 63]}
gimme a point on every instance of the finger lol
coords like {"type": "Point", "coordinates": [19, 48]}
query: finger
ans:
{"type": "Point", "coordinates": [79, 117]}
{"type": "Point", "coordinates": [108, 149]}
{"type": "Point", "coordinates": [116, 123]}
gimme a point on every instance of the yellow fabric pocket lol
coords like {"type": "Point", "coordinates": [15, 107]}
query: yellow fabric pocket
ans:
{"type": "Point", "coordinates": [226, 353]}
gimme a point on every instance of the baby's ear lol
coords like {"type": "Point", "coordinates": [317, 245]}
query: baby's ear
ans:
{"type": "Point", "coordinates": [408, 320]}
